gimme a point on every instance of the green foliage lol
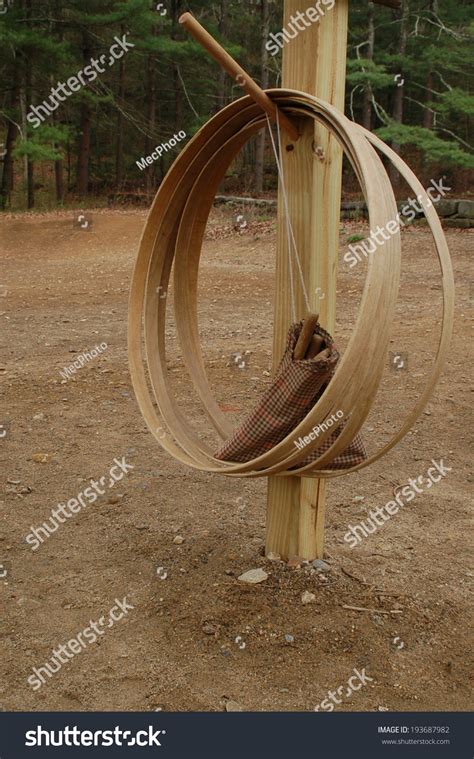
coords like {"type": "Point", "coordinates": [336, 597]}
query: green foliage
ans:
{"type": "Point", "coordinates": [361, 71]}
{"type": "Point", "coordinates": [455, 101]}
{"type": "Point", "coordinates": [436, 67]}
{"type": "Point", "coordinates": [167, 82]}
{"type": "Point", "coordinates": [438, 150]}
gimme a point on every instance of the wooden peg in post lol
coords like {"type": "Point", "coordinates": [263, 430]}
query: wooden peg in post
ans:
{"type": "Point", "coordinates": [237, 73]}
{"type": "Point", "coordinates": [309, 325]}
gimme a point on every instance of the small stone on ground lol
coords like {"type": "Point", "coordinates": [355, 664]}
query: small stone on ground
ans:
{"type": "Point", "coordinates": [253, 576]}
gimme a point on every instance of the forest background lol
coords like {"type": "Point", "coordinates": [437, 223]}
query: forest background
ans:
{"type": "Point", "coordinates": [409, 79]}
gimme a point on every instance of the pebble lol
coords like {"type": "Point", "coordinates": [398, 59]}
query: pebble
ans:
{"type": "Point", "coordinates": [178, 540]}
{"type": "Point", "coordinates": [39, 417]}
{"type": "Point", "coordinates": [294, 562]}
{"type": "Point", "coordinates": [253, 576]}
{"type": "Point", "coordinates": [307, 597]}
{"type": "Point", "coordinates": [41, 458]}
{"type": "Point", "coordinates": [358, 498]}
{"type": "Point", "coordinates": [233, 706]}
{"type": "Point", "coordinates": [209, 629]}
{"type": "Point", "coordinates": [289, 638]}
{"type": "Point", "coordinates": [273, 556]}
{"type": "Point", "coordinates": [321, 565]}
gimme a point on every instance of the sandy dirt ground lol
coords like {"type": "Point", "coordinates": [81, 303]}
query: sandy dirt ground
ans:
{"type": "Point", "coordinates": [197, 638]}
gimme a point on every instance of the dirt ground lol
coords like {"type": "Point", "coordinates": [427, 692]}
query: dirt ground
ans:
{"type": "Point", "coordinates": [197, 637]}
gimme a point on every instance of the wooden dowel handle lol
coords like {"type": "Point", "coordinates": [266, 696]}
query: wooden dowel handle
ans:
{"type": "Point", "coordinates": [305, 336]}
{"type": "Point", "coordinates": [322, 354]}
{"type": "Point", "coordinates": [237, 72]}
{"type": "Point", "coordinates": [316, 345]}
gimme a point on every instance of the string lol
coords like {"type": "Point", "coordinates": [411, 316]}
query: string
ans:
{"type": "Point", "coordinates": [287, 222]}
{"type": "Point", "coordinates": [289, 228]}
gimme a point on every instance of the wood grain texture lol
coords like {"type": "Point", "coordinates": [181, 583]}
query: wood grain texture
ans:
{"type": "Point", "coordinates": [306, 336]}
{"type": "Point", "coordinates": [315, 61]}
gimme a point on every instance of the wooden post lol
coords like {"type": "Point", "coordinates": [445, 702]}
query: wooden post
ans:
{"type": "Point", "coordinates": [315, 62]}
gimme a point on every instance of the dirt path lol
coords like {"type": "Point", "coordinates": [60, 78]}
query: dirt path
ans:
{"type": "Point", "coordinates": [198, 636]}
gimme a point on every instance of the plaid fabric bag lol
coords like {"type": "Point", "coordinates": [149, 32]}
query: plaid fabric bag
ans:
{"type": "Point", "coordinates": [294, 391]}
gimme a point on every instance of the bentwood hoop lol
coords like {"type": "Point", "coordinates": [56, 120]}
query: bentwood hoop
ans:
{"type": "Point", "coordinates": [174, 233]}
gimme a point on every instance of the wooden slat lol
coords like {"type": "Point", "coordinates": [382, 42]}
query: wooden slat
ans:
{"type": "Point", "coordinates": [236, 71]}
{"type": "Point", "coordinates": [314, 62]}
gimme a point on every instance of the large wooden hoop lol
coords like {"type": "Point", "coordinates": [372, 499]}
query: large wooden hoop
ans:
{"type": "Point", "coordinates": [173, 234]}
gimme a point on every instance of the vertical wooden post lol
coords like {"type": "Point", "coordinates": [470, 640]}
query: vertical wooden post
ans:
{"type": "Point", "coordinates": [315, 62]}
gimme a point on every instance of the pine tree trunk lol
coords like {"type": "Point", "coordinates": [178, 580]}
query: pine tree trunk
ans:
{"type": "Point", "coordinates": [178, 109]}
{"type": "Point", "coordinates": [428, 113]}
{"type": "Point", "coordinates": [260, 148]}
{"type": "Point", "coordinates": [59, 163]}
{"type": "Point", "coordinates": [220, 100]}
{"type": "Point", "coordinates": [30, 184]}
{"type": "Point", "coordinates": [59, 180]}
{"type": "Point", "coordinates": [83, 150]}
{"type": "Point", "coordinates": [7, 173]}
{"type": "Point", "coordinates": [428, 120]}
{"type": "Point", "coordinates": [68, 165]}
{"type": "Point", "coordinates": [27, 165]}
{"type": "Point", "coordinates": [82, 181]}
{"type": "Point", "coordinates": [120, 121]}
{"type": "Point", "coordinates": [151, 119]}
{"type": "Point", "coordinates": [397, 109]}
{"type": "Point", "coordinates": [30, 179]}
{"type": "Point", "coordinates": [368, 94]}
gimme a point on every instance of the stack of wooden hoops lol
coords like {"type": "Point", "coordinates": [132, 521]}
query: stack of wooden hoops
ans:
{"type": "Point", "coordinates": [173, 235]}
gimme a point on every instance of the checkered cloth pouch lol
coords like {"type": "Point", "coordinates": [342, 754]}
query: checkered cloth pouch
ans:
{"type": "Point", "coordinates": [294, 391]}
